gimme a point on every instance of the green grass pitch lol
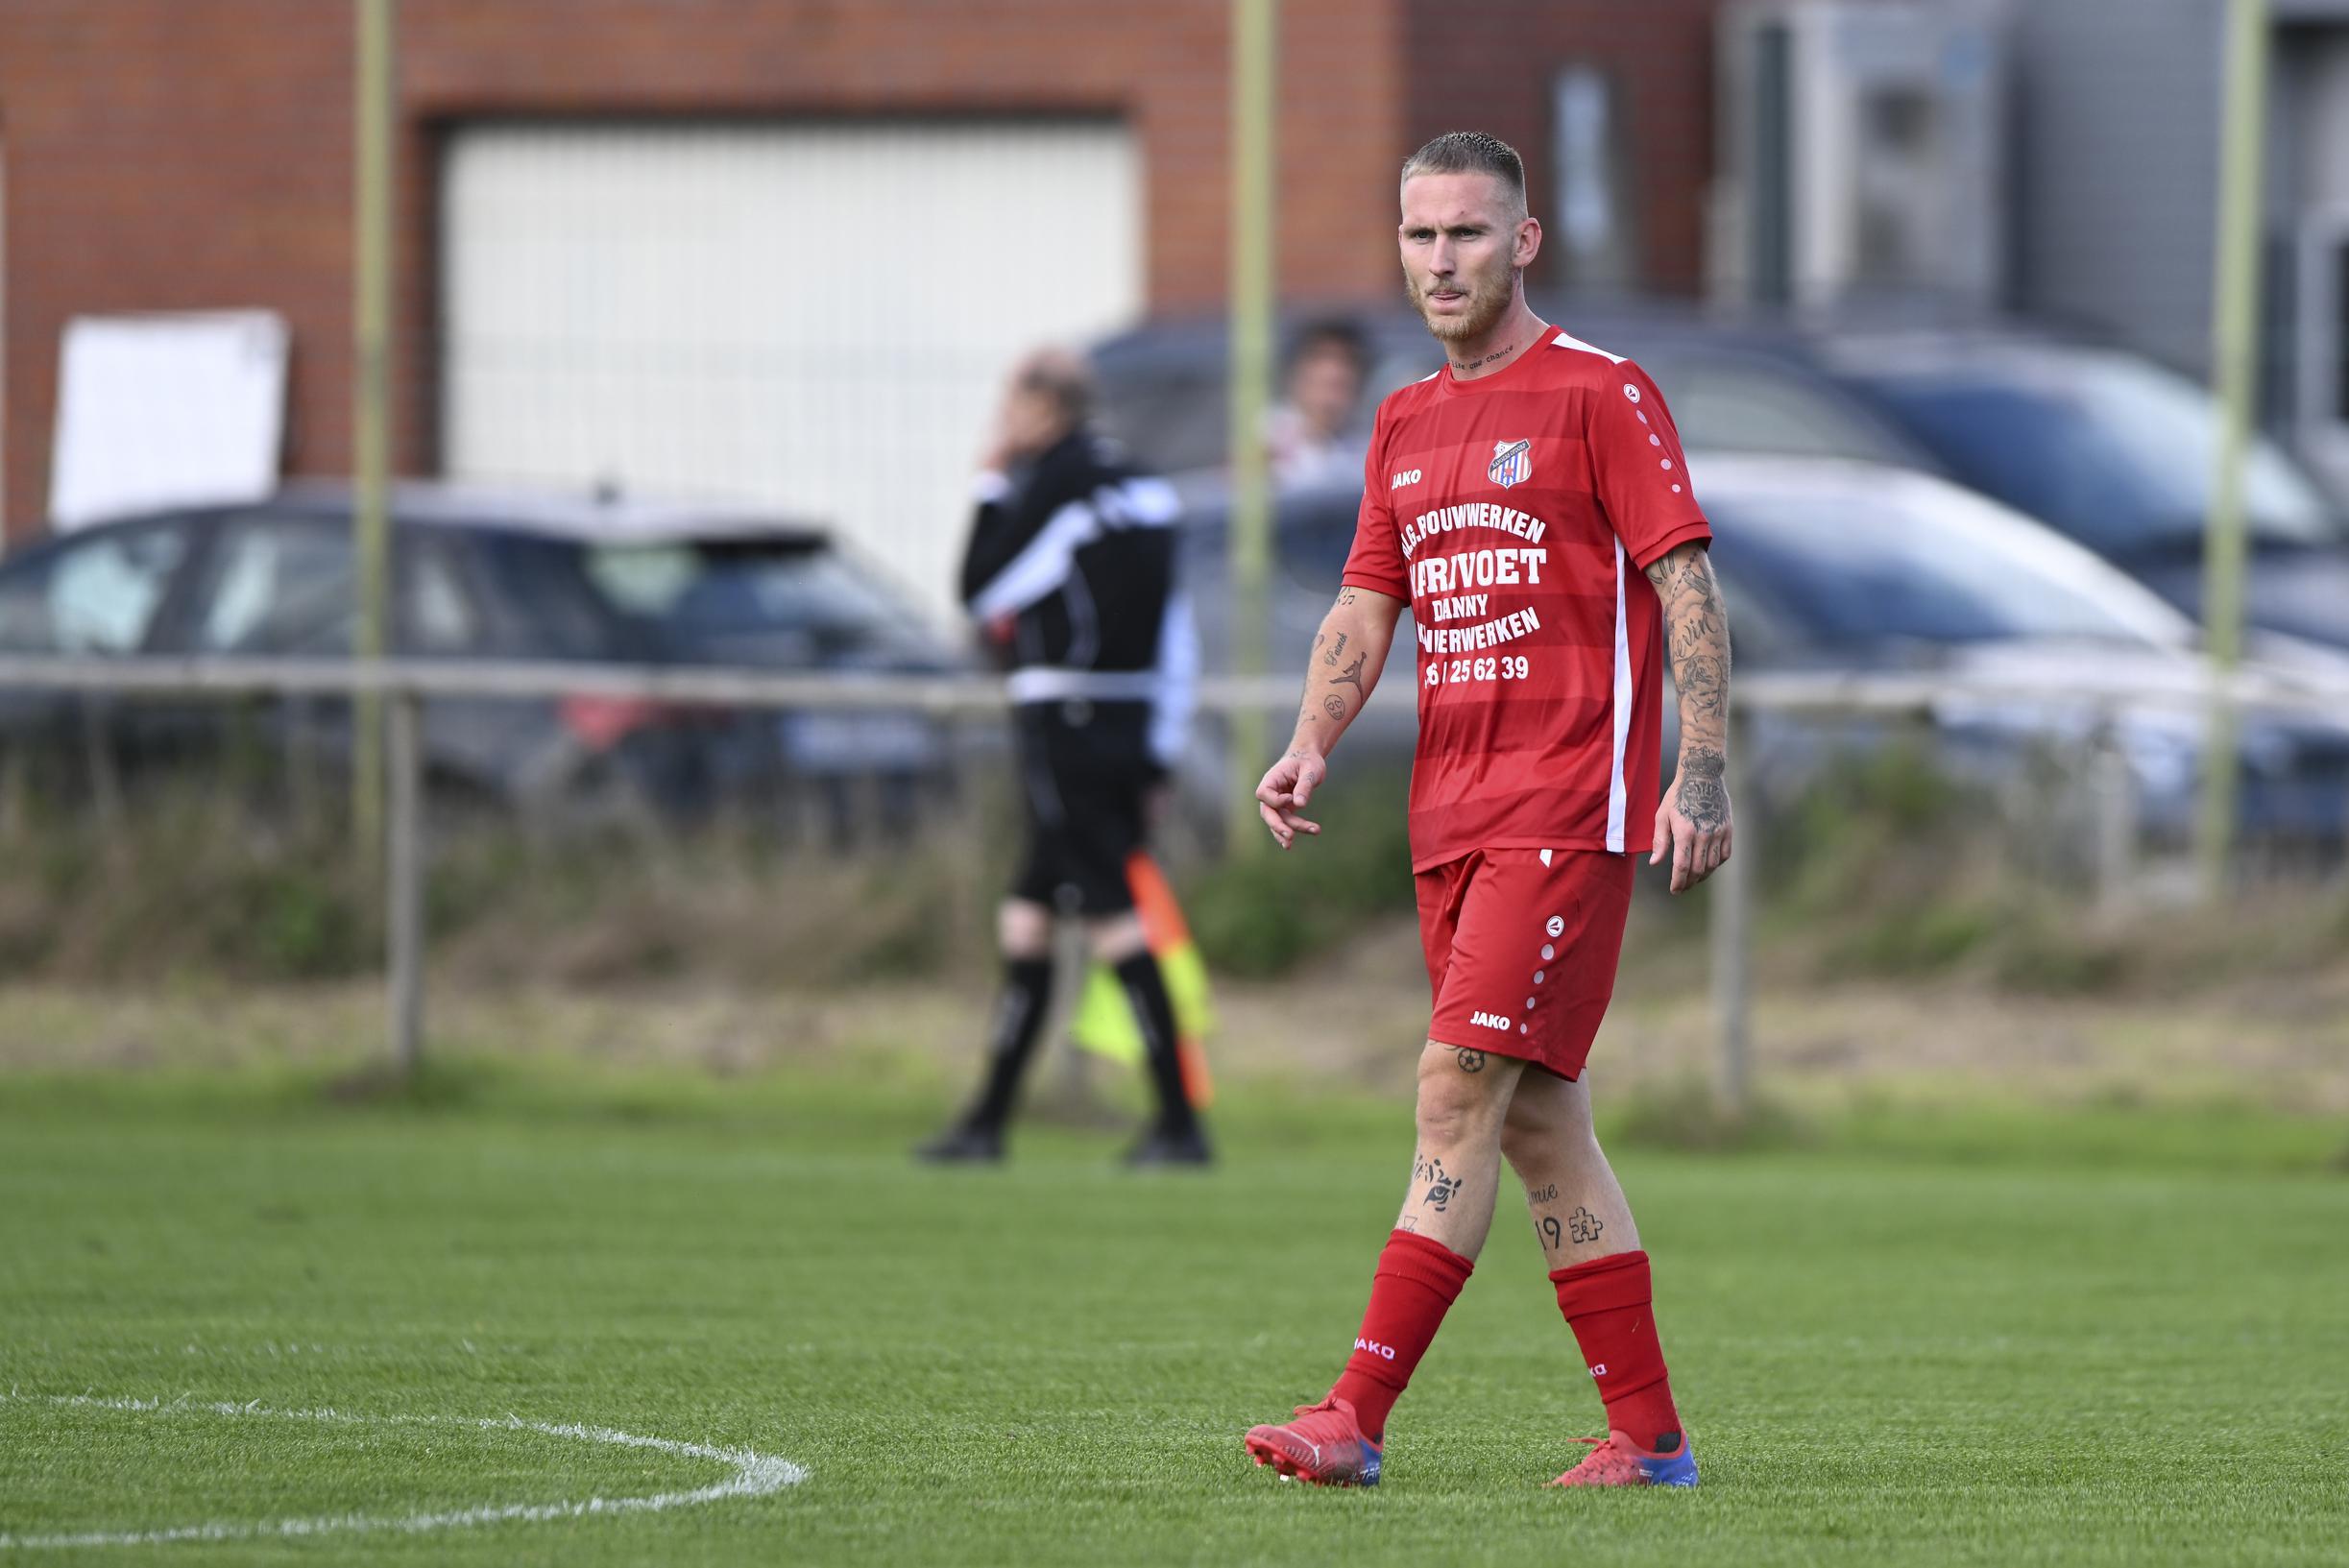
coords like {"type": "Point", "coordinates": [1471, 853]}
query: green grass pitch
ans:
{"type": "Point", "coordinates": [1883, 1357]}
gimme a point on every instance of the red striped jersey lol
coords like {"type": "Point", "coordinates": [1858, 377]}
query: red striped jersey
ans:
{"type": "Point", "coordinates": [1516, 512]}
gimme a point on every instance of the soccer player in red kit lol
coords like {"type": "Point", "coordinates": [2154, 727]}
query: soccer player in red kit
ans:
{"type": "Point", "coordinates": [1529, 502]}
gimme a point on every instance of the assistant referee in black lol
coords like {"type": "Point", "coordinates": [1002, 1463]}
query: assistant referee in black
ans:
{"type": "Point", "coordinates": [1070, 574]}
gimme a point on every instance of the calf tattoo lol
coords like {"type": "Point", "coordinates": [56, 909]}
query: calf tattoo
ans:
{"type": "Point", "coordinates": [1550, 1231]}
{"type": "Point", "coordinates": [1544, 1194]}
{"type": "Point", "coordinates": [1585, 1226]}
{"type": "Point", "coordinates": [1440, 1192]}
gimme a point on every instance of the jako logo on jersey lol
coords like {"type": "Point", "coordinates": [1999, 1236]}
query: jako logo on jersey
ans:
{"type": "Point", "coordinates": [1631, 390]}
{"type": "Point", "coordinates": [1375, 1348]}
{"type": "Point", "coordinates": [1512, 462]}
{"type": "Point", "coordinates": [1490, 1021]}
{"type": "Point", "coordinates": [1409, 476]}
{"type": "Point", "coordinates": [1598, 1371]}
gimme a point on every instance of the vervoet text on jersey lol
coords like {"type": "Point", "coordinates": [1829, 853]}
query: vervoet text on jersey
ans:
{"type": "Point", "coordinates": [1476, 569]}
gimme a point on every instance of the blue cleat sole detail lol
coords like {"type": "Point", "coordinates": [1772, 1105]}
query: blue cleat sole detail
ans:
{"type": "Point", "coordinates": [1680, 1470]}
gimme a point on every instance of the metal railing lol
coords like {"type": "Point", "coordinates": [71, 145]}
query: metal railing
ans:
{"type": "Point", "coordinates": [406, 685]}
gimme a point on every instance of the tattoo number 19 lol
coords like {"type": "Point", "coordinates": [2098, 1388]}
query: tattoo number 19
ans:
{"type": "Point", "coordinates": [1455, 672]}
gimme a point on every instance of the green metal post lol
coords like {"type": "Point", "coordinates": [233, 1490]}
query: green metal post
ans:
{"type": "Point", "coordinates": [2234, 359]}
{"type": "Point", "coordinates": [1254, 25]}
{"type": "Point", "coordinates": [370, 411]}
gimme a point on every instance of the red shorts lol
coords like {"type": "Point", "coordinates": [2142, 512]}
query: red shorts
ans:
{"type": "Point", "coordinates": [1521, 949]}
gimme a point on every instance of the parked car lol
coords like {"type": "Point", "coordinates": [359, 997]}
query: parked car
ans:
{"type": "Point", "coordinates": [485, 575]}
{"type": "Point", "coordinates": [2108, 449]}
{"type": "Point", "coordinates": [1858, 568]}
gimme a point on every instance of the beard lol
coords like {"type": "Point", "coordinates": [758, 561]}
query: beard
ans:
{"type": "Point", "coordinates": [1488, 302]}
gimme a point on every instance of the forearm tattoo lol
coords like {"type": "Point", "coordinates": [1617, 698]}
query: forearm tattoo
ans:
{"type": "Point", "coordinates": [1351, 675]}
{"type": "Point", "coordinates": [1696, 632]}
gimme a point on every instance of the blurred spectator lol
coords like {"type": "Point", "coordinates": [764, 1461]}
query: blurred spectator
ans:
{"type": "Point", "coordinates": [1313, 433]}
{"type": "Point", "coordinates": [1070, 571]}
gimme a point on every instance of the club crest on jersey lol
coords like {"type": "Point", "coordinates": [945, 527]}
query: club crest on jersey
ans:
{"type": "Point", "coordinates": [1512, 464]}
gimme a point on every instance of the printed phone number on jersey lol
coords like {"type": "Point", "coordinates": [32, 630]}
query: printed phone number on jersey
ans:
{"type": "Point", "coordinates": [1513, 666]}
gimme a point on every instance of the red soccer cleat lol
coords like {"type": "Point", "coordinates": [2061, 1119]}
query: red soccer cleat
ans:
{"type": "Point", "coordinates": [1615, 1460]}
{"type": "Point", "coordinates": [1323, 1445]}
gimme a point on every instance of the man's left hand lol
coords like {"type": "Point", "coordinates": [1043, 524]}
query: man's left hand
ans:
{"type": "Point", "coordinates": [1692, 825]}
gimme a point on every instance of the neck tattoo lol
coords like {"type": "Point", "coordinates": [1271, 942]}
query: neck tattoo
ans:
{"type": "Point", "coordinates": [1502, 353]}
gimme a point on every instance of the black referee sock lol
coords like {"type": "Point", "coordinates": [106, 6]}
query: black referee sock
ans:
{"type": "Point", "coordinates": [1019, 1022]}
{"type": "Point", "coordinates": [1145, 989]}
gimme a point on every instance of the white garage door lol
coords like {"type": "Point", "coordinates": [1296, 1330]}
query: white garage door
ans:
{"type": "Point", "coordinates": [812, 317]}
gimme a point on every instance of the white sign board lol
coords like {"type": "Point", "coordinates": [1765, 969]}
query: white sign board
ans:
{"type": "Point", "coordinates": [158, 411]}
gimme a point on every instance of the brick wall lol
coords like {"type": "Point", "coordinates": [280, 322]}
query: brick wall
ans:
{"type": "Point", "coordinates": [182, 154]}
{"type": "Point", "coordinates": [174, 154]}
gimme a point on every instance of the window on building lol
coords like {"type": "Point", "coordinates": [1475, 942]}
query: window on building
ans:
{"type": "Point", "coordinates": [1593, 199]}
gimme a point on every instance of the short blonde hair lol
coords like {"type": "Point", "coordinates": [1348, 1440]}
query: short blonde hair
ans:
{"type": "Point", "coordinates": [1472, 151]}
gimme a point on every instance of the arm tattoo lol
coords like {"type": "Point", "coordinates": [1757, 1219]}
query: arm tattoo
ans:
{"type": "Point", "coordinates": [1703, 800]}
{"type": "Point", "coordinates": [1348, 595]}
{"type": "Point", "coordinates": [1697, 631]}
{"type": "Point", "coordinates": [1331, 657]}
{"type": "Point", "coordinates": [1351, 675]}
{"type": "Point", "coordinates": [1334, 707]}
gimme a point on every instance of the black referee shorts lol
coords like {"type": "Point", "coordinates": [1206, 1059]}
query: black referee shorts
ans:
{"type": "Point", "coordinates": [1085, 771]}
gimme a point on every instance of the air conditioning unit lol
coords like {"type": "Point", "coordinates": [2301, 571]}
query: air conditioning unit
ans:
{"type": "Point", "coordinates": [1861, 155]}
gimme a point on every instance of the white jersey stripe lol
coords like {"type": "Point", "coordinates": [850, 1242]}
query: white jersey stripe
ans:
{"type": "Point", "coordinates": [1568, 340]}
{"type": "Point", "coordinates": [1618, 795]}
{"type": "Point", "coordinates": [1044, 564]}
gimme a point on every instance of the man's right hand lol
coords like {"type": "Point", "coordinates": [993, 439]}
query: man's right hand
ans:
{"type": "Point", "coordinates": [1287, 785]}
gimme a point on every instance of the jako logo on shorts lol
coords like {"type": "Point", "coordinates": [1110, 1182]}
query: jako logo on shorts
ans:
{"type": "Point", "coordinates": [1490, 1021]}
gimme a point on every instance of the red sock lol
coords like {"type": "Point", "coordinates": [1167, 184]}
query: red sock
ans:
{"type": "Point", "coordinates": [1607, 1304]}
{"type": "Point", "coordinates": [1418, 1281]}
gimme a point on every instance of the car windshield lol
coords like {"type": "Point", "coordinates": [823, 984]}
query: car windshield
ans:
{"type": "Point", "coordinates": [2110, 450]}
{"type": "Point", "coordinates": [1850, 569]}
{"type": "Point", "coordinates": [714, 595]}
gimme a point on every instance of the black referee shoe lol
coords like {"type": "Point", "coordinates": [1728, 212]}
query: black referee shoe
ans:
{"type": "Point", "coordinates": [964, 1145]}
{"type": "Point", "coordinates": [1159, 1146]}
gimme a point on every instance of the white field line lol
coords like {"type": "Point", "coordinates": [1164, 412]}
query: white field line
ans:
{"type": "Point", "coordinates": [755, 1475]}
